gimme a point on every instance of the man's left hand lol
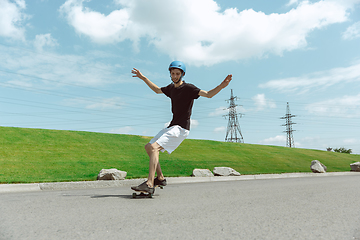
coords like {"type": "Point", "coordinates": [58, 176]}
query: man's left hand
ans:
{"type": "Point", "coordinates": [226, 81]}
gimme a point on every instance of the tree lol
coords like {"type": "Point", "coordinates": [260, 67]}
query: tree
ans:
{"type": "Point", "coordinates": [342, 150]}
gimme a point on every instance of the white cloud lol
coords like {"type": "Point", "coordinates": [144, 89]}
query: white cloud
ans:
{"type": "Point", "coordinates": [199, 33]}
{"type": "Point", "coordinates": [219, 112]}
{"type": "Point", "coordinates": [96, 103]}
{"type": "Point", "coordinates": [11, 19]}
{"type": "Point", "coordinates": [346, 106]}
{"type": "Point", "coordinates": [317, 142]}
{"type": "Point", "coordinates": [108, 29]}
{"type": "Point", "coordinates": [314, 142]}
{"type": "Point", "coordinates": [123, 130]}
{"type": "Point", "coordinates": [194, 123]}
{"type": "Point", "coordinates": [220, 129]}
{"type": "Point", "coordinates": [292, 2]}
{"type": "Point", "coordinates": [109, 103]}
{"type": "Point", "coordinates": [277, 140]}
{"type": "Point", "coordinates": [85, 70]}
{"type": "Point", "coordinates": [261, 102]}
{"type": "Point", "coordinates": [352, 32]}
{"type": "Point", "coordinates": [317, 79]}
{"type": "Point", "coordinates": [351, 141]}
{"type": "Point", "coordinates": [43, 40]}
{"type": "Point", "coordinates": [21, 3]}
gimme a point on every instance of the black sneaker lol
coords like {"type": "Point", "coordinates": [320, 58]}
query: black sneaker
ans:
{"type": "Point", "coordinates": [159, 183]}
{"type": "Point", "coordinates": [144, 188]}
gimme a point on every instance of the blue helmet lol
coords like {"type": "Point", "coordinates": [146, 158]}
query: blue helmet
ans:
{"type": "Point", "coordinates": [178, 65]}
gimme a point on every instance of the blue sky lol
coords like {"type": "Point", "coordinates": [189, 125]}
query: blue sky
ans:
{"type": "Point", "coordinates": [67, 65]}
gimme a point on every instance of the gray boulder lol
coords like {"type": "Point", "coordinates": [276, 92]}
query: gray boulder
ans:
{"type": "Point", "coordinates": [317, 167]}
{"type": "Point", "coordinates": [202, 173]}
{"type": "Point", "coordinates": [111, 174]}
{"type": "Point", "coordinates": [225, 171]}
{"type": "Point", "coordinates": [355, 167]}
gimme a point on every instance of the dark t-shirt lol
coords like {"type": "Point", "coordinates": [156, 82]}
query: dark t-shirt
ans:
{"type": "Point", "coordinates": [182, 100]}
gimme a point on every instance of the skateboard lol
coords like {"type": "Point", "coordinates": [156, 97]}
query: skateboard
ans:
{"type": "Point", "coordinates": [142, 194]}
{"type": "Point", "coordinates": [145, 194]}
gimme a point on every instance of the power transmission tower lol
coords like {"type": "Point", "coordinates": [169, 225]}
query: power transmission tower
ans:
{"type": "Point", "coordinates": [233, 133]}
{"type": "Point", "coordinates": [288, 125]}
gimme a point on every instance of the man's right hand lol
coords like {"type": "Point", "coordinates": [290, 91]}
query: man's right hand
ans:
{"type": "Point", "coordinates": [153, 86]}
{"type": "Point", "coordinates": [137, 73]}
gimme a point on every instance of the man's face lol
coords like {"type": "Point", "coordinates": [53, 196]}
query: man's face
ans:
{"type": "Point", "coordinates": [175, 75]}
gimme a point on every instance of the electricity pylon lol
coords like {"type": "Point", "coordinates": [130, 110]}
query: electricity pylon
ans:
{"type": "Point", "coordinates": [288, 125]}
{"type": "Point", "coordinates": [233, 133]}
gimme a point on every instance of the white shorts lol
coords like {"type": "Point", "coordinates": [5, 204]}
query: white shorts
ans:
{"type": "Point", "coordinates": [170, 138]}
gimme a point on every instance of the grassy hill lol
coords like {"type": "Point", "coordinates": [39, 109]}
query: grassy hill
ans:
{"type": "Point", "coordinates": [38, 155]}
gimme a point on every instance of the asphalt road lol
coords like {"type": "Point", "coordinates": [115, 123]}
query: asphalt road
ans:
{"type": "Point", "coordinates": [293, 208]}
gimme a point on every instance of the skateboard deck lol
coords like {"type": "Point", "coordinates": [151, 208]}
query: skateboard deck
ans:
{"type": "Point", "coordinates": [144, 194]}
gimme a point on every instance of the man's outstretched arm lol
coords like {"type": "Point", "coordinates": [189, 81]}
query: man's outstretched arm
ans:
{"type": "Point", "coordinates": [151, 85]}
{"type": "Point", "coordinates": [216, 90]}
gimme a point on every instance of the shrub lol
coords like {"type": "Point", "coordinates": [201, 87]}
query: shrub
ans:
{"type": "Point", "coordinates": [342, 150]}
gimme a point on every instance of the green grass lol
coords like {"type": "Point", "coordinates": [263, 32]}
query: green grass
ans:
{"type": "Point", "coordinates": [38, 155]}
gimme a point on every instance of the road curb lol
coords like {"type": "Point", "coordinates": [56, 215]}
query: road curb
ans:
{"type": "Point", "coordinates": [33, 187]}
{"type": "Point", "coordinates": [8, 188]}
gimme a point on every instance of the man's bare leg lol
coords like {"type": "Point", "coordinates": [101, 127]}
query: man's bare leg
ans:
{"type": "Point", "coordinates": [159, 173]}
{"type": "Point", "coordinates": [154, 166]}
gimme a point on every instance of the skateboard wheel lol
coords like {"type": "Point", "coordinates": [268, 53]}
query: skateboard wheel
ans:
{"type": "Point", "coordinates": [134, 195]}
{"type": "Point", "coordinates": [161, 187]}
{"type": "Point", "coordinates": [150, 195]}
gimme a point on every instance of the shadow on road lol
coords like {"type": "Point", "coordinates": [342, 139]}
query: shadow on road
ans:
{"type": "Point", "coordinates": [112, 196]}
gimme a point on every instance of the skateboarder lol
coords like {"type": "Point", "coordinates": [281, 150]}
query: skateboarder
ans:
{"type": "Point", "coordinates": [182, 95]}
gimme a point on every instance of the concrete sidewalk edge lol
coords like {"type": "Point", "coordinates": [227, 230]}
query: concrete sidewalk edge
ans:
{"type": "Point", "coordinates": [8, 188]}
